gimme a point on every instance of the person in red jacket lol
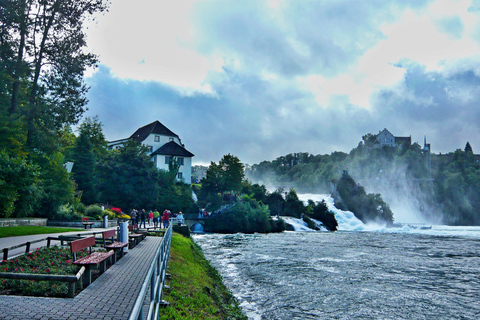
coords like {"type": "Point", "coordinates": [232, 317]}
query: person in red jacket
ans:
{"type": "Point", "coordinates": [166, 217]}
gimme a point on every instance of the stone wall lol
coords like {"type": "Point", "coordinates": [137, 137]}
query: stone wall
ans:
{"type": "Point", "coordinates": [23, 222]}
{"type": "Point", "coordinates": [78, 224]}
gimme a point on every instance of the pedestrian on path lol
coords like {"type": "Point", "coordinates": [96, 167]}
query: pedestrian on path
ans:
{"type": "Point", "coordinates": [143, 218]}
{"type": "Point", "coordinates": [133, 216]}
{"type": "Point", "coordinates": [166, 217]}
{"type": "Point", "coordinates": [156, 215]}
{"type": "Point", "coordinates": [150, 217]}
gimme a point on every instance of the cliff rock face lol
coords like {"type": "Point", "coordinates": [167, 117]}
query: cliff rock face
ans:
{"type": "Point", "coordinates": [366, 207]}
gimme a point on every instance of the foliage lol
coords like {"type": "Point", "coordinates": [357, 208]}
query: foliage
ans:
{"type": "Point", "coordinates": [42, 93]}
{"type": "Point", "coordinates": [19, 184]}
{"type": "Point", "coordinates": [293, 206]}
{"type": "Point", "coordinates": [366, 207]}
{"type": "Point", "coordinates": [319, 211]}
{"type": "Point", "coordinates": [276, 202]}
{"type": "Point", "coordinates": [94, 211]}
{"type": "Point", "coordinates": [110, 214]}
{"type": "Point", "coordinates": [66, 212]}
{"type": "Point", "coordinates": [129, 178]}
{"type": "Point", "coordinates": [226, 176]}
{"type": "Point", "coordinates": [83, 169]}
{"type": "Point", "coordinates": [246, 217]}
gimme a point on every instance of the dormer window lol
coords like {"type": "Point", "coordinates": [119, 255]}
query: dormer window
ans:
{"type": "Point", "coordinates": [170, 139]}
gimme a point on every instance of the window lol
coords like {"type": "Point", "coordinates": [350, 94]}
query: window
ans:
{"type": "Point", "coordinates": [180, 161]}
{"type": "Point", "coordinates": [170, 139]}
{"type": "Point", "coordinates": [168, 159]}
{"type": "Point", "coordinates": [180, 175]}
{"type": "Point", "coordinates": [157, 138]}
{"type": "Point", "coordinates": [150, 148]}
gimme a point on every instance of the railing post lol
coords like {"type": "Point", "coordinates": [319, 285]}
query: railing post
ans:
{"type": "Point", "coordinates": [5, 254]}
{"type": "Point", "coordinates": [27, 248]}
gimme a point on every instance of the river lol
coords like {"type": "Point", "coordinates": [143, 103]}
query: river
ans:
{"type": "Point", "coordinates": [358, 272]}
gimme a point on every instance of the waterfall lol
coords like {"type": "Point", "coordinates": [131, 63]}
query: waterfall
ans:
{"type": "Point", "coordinates": [346, 219]}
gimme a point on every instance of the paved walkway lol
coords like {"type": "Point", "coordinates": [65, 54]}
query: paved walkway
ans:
{"type": "Point", "coordinates": [14, 241]}
{"type": "Point", "coordinates": [111, 296]}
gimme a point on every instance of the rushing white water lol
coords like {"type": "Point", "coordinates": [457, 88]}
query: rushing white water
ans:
{"type": "Point", "coordinates": [346, 219]}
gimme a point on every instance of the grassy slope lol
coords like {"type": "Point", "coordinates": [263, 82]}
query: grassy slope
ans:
{"type": "Point", "coordinates": [29, 230]}
{"type": "Point", "coordinates": [196, 288]}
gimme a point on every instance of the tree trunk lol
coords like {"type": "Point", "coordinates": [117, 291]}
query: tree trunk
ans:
{"type": "Point", "coordinates": [19, 62]}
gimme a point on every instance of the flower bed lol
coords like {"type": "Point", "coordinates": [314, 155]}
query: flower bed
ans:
{"type": "Point", "coordinates": [50, 261]}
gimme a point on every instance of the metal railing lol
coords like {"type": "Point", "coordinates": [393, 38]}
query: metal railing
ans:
{"type": "Point", "coordinates": [155, 280]}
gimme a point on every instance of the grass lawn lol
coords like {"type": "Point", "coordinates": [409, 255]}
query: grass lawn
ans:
{"type": "Point", "coordinates": [29, 230]}
{"type": "Point", "coordinates": [196, 288]}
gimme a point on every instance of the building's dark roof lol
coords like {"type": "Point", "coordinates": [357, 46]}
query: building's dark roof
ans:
{"type": "Point", "coordinates": [408, 140]}
{"type": "Point", "coordinates": [172, 149]}
{"type": "Point", "coordinates": [154, 127]}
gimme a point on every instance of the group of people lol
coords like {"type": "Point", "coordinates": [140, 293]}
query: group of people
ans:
{"type": "Point", "coordinates": [141, 217]}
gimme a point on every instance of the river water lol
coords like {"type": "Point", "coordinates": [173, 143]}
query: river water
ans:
{"type": "Point", "coordinates": [359, 272]}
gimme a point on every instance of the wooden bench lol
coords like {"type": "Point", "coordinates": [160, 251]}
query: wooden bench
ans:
{"type": "Point", "coordinates": [134, 237]}
{"type": "Point", "coordinates": [87, 223]}
{"type": "Point", "coordinates": [92, 260]}
{"type": "Point", "coordinates": [116, 246]}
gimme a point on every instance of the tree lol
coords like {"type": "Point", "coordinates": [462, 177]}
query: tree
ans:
{"type": "Point", "coordinates": [293, 206]}
{"type": "Point", "coordinates": [46, 59]}
{"type": "Point", "coordinates": [226, 176]}
{"type": "Point", "coordinates": [232, 173]}
{"type": "Point", "coordinates": [128, 178]}
{"type": "Point", "coordinates": [42, 93]}
{"type": "Point", "coordinates": [84, 168]}
{"type": "Point", "coordinates": [468, 147]}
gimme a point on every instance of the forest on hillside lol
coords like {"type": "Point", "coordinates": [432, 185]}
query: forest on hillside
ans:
{"type": "Point", "coordinates": [440, 188]}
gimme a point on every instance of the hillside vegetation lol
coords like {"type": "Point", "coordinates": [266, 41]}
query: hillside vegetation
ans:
{"type": "Point", "coordinates": [442, 187]}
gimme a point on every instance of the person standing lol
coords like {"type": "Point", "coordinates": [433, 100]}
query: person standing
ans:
{"type": "Point", "coordinates": [156, 215]}
{"type": "Point", "coordinates": [166, 217]}
{"type": "Point", "coordinates": [133, 216]}
{"type": "Point", "coordinates": [150, 217]}
{"type": "Point", "coordinates": [143, 217]}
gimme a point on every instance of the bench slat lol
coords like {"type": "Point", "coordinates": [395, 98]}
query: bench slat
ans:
{"type": "Point", "coordinates": [94, 258]}
{"type": "Point", "coordinates": [80, 244]}
{"type": "Point", "coordinates": [116, 245]}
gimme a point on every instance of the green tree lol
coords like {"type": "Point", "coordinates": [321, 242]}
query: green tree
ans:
{"type": "Point", "coordinates": [468, 147]}
{"type": "Point", "coordinates": [232, 173]}
{"type": "Point", "coordinates": [128, 178]}
{"type": "Point", "coordinates": [293, 206]}
{"type": "Point", "coordinates": [84, 168]}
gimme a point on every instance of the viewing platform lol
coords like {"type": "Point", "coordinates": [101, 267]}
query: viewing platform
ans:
{"type": "Point", "coordinates": [111, 296]}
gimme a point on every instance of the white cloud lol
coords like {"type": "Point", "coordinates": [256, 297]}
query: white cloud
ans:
{"type": "Point", "coordinates": [149, 40]}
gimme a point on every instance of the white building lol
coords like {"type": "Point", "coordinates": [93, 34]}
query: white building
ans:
{"type": "Point", "coordinates": [164, 146]}
{"type": "Point", "coordinates": [385, 138]}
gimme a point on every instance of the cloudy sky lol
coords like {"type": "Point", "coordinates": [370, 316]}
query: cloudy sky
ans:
{"type": "Point", "coordinates": [261, 79]}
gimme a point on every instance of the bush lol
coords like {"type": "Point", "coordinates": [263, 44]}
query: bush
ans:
{"type": "Point", "coordinates": [243, 217]}
{"type": "Point", "coordinates": [320, 212]}
{"type": "Point", "coordinates": [111, 215]}
{"type": "Point", "coordinates": [66, 212]}
{"type": "Point", "coordinates": [94, 211]}
{"type": "Point", "coordinates": [310, 223]}
{"type": "Point", "coordinates": [366, 207]}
